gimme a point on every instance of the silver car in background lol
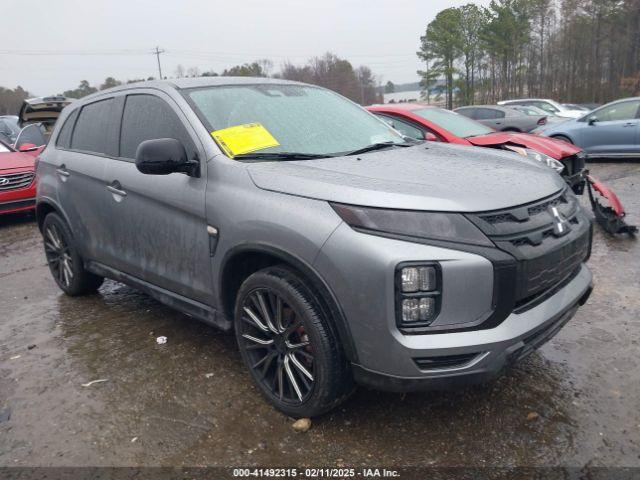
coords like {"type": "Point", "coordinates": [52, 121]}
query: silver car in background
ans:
{"type": "Point", "coordinates": [550, 106]}
{"type": "Point", "coordinates": [505, 119]}
{"type": "Point", "coordinates": [338, 251]}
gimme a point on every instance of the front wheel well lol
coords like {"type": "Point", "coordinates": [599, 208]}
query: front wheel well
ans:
{"type": "Point", "coordinates": [242, 264]}
{"type": "Point", "coordinates": [236, 270]}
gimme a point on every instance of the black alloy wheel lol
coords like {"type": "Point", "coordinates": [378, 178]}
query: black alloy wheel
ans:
{"type": "Point", "coordinates": [64, 260]}
{"type": "Point", "coordinates": [277, 346]}
{"type": "Point", "coordinates": [289, 345]}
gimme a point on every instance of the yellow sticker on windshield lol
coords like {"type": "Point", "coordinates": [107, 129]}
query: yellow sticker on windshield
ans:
{"type": "Point", "coordinates": [244, 139]}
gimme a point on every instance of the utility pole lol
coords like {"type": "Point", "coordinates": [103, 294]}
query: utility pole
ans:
{"type": "Point", "coordinates": [157, 53]}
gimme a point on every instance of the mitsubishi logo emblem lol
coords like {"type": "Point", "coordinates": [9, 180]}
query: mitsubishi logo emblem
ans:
{"type": "Point", "coordinates": [3, 181]}
{"type": "Point", "coordinates": [560, 223]}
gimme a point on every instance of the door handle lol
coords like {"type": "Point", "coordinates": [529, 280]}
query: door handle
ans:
{"type": "Point", "coordinates": [116, 189]}
{"type": "Point", "coordinates": [62, 171]}
{"type": "Point", "coordinates": [630, 124]}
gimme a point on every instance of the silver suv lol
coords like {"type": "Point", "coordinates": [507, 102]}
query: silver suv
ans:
{"type": "Point", "coordinates": [338, 251]}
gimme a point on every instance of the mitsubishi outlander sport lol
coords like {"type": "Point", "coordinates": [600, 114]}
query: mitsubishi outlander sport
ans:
{"type": "Point", "coordinates": [338, 251]}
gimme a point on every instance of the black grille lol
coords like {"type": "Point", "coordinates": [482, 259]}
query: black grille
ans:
{"type": "Point", "coordinates": [6, 206]}
{"type": "Point", "coordinates": [14, 181]}
{"type": "Point", "coordinates": [546, 254]}
{"type": "Point", "coordinates": [542, 207]}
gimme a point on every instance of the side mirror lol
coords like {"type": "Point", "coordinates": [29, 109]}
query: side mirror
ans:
{"type": "Point", "coordinates": [592, 120]}
{"type": "Point", "coordinates": [430, 137]}
{"type": "Point", "coordinates": [162, 156]}
{"type": "Point", "coordinates": [27, 147]}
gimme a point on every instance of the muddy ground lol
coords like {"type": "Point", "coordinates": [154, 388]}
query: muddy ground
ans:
{"type": "Point", "coordinates": [189, 402]}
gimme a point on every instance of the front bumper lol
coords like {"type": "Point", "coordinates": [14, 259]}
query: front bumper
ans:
{"type": "Point", "coordinates": [360, 268]}
{"type": "Point", "coordinates": [14, 206]}
{"type": "Point", "coordinates": [495, 349]}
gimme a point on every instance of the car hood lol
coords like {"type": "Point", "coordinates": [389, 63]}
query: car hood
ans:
{"type": "Point", "coordinates": [435, 176]}
{"type": "Point", "coordinates": [13, 160]}
{"type": "Point", "coordinates": [554, 148]}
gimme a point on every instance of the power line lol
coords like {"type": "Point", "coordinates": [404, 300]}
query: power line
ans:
{"type": "Point", "coordinates": [203, 53]}
{"type": "Point", "coordinates": [72, 52]}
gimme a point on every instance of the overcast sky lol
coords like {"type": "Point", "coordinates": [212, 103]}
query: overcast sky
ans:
{"type": "Point", "coordinates": [208, 34]}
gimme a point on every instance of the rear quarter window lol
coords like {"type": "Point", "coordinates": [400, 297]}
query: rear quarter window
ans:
{"type": "Point", "coordinates": [91, 133]}
{"type": "Point", "coordinates": [64, 137]}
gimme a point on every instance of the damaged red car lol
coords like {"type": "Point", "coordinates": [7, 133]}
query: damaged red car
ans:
{"type": "Point", "coordinates": [424, 122]}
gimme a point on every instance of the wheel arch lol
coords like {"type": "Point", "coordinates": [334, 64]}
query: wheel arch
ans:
{"type": "Point", "coordinates": [243, 260]}
{"type": "Point", "coordinates": [562, 136]}
{"type": "Point", "coordinates": [44, 207]}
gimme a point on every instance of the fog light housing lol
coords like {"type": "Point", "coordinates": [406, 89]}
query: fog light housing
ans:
{"type": "Point", "coordinates": [418, 294]}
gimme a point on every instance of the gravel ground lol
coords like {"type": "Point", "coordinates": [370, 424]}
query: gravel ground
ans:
{"type": "Point", "coordinates": [190, 402]}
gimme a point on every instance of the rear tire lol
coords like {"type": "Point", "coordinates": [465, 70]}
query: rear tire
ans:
{"type": "Point", "coordinates": [64, 260]}
{"type": "Point", "coordinates": [288, 345]}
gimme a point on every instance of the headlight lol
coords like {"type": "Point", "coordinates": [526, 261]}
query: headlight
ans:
{"type": "Point", "coordinates": [448, 227]}
{"type": "Point", "coordinates": [540, 157]}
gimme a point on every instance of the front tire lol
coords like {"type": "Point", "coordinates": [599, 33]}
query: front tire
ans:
{"type": "Point", "coordinates": [288, 345]}
{"type": "Point", "coordinates": [64, 260]}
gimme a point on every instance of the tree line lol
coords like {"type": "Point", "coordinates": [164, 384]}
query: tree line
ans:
{"type": "Point", "coordinates": [328, 70]}
{"type": "Point", "coordinates": [570, 50]}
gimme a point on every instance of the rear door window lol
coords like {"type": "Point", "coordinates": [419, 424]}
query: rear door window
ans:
{"type": "Point", "coordinates": [91, 133]}
{"type": "Point", "coordinates": [147, 117]}
{"type": "Point", "coordinates": [467, 112]}
{"type": "Point", "coordinates": [488, 114]}
{"type": "Point", "coordinates": [64, 137]}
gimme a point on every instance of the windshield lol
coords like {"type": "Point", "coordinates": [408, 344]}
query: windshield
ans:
{"type": "Point", "coordinates": [457, 124]}
{"type": "Point", "coordinates": [551, 104]}
{"type": "Point", "coordinates": [532, 111]}
{"type": "Point", "coordinates": [301, 118]}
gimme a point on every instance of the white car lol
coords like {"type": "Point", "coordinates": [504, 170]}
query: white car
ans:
{"type": "Point", "coordinates": [550, 106]}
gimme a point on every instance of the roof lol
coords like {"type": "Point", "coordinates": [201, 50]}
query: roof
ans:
{"type": "Point", "coordinates": [497, 107]}
{"type": "Point", "coordinates": [527, 100]}
{"type": "Point", "coordinates": [183, 83]}
{"type": "Point", "coordinates": [199, 82]}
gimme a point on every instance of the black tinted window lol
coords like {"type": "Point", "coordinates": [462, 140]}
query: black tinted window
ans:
{"type": "Point", "coordinates": [147, 117]}
{"type": "Point", "coordinates": [64, 137]}
{"type": "Point", "coordinates": [92, 128]}
{"type": "Point", "coordinates": [467, 112]}
{"type": "Point", "coordinates": [488, 114]}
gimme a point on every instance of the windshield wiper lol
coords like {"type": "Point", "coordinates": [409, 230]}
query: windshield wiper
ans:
{"type": "Point", "coordinates": [280, 156]}
{"type": "Point", "coordinates": [379, 146]}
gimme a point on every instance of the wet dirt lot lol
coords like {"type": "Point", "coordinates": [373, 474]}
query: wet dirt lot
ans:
{"type": "Point", "coordinates": [575, 402]}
